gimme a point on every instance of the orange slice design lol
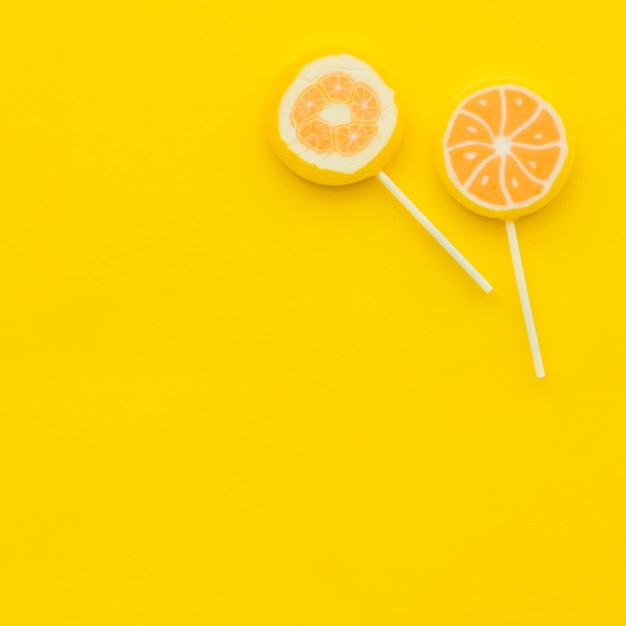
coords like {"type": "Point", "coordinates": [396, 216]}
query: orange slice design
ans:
{"type": "Point", "coordinates": [352, 138]}
{"type": "Point", "coordinates": [311, 101]}
{"type": "Point", "coordinates": [365, 106]}
{"type": "Point", "coordinates": [541, 131]}
{"type": "Point", "coordinates": [519, 185]}
{"type": "Point", "coordinates": [470, 129]}
{"type": "Point", "coordinates": [337, 87]}
{"type": "Point", "coordinates": [487, 184]}
{"type": "Point", "coordinates": [465, 159]}
{"type": "Point", "coordinates": [538, 162]}
{"type": "Point", "coordinates": [316, 134]}
{"type": "Point", "coordinates": [504, 147]}
{"type": "Point", "coordinates": [488, 107]}
{"type": "Point", "coordinates": [520, 107]}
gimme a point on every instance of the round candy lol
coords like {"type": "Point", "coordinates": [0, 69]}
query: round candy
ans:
{"type": "Point", "coordinates": [333, 120]}
{"type": "Point", "coordinates": [503, 150]}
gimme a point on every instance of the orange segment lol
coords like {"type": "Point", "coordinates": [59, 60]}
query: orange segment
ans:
{"type": "Point", "coordinates": [466, 159]}
{"type": "Point", "coordinates": [520, 107]}
{"type": "Point", "coordinates": [337, 87]}
{"type": "Point", "coordinates": [540, 162]}
{"type": "Point", "coordinates": [467, 128]}
{"type": "Point", "coordinates": [352, 138]}
{"type": "Point", "coordinates": [520, 187]}
{"type": "Point", "coordinates": [316, 134]}
{"type": "Point", "coordinates": [365, 106]}
{"type": "Point", "coordinates": [309, 104]}
{"type": "Point", "coordinates": [488, 106]}
{"type": "Point", "coordinates": [543, 130]}
{"type": "Point", "coordinates": [486, 186]}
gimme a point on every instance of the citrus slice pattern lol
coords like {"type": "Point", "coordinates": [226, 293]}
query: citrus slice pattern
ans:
{"type": "Point", "coordinates": [317, 134]}
{"type": "Point", "coordinates": [338, 87]}
{"type": "Point", "coordinates": [337, 121]}
{"type": "Point", "coordinates": [308, 105]}
{"type": "Point", "coordinates": [352, 138]}
{"type": "Point", "coordinates": [506, 151]}
{"type": "Point", "coordinates": [362, 107]}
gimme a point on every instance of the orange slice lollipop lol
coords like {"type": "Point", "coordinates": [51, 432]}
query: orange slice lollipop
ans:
{"type": "Point", "coordinates": [504, 151]}
{"type": "Point", "coordinates": [338, 120]}
{"type": "Point", "coordinates": [332, 119]}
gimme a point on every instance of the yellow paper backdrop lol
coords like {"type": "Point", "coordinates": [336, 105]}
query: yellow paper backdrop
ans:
{"type": "Point", "coordinates": [230, 397]}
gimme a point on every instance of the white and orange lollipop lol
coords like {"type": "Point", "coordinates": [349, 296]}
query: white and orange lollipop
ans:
{"type": "Point", "coordinates": [333, 120]}
{"type": "Point", "coordinates": [503, 151]}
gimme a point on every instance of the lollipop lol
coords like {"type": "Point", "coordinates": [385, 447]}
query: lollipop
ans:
{"type": "Point", "coordinates": [333, 120]}
{"type": "Point", "coordinates": [504, 152]}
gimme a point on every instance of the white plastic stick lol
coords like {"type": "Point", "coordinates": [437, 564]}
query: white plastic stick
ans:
{"type": "Point", "coordinates": [434, 231]}
{"type": "Point", "coordinates": [524, 299]}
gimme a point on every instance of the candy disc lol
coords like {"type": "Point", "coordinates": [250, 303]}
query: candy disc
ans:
{"type": "Point", "coordinates": [332, 119]}
{"type": "Point", "coordinates": [503, 150]}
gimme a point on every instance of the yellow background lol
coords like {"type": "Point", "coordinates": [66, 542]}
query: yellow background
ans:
{"type": "Point", "coordinates": [231, 397]}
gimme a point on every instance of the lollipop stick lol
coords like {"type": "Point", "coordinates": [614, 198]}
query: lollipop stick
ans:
{"type": "Point", "coordinates": [434, 231]}
{"type": "Point", "coordinates": [524, 299]}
